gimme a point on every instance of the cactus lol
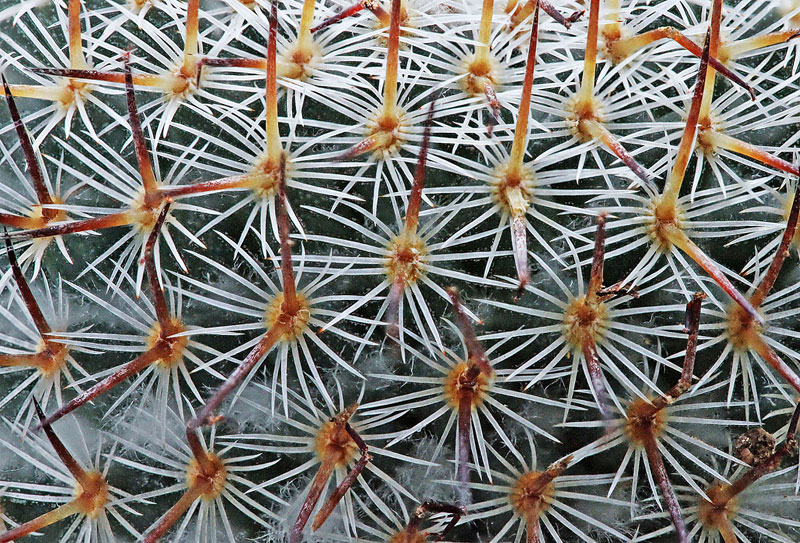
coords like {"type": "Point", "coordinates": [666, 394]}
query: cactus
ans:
{"type": "Point", "coordinates": [399, 272]}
